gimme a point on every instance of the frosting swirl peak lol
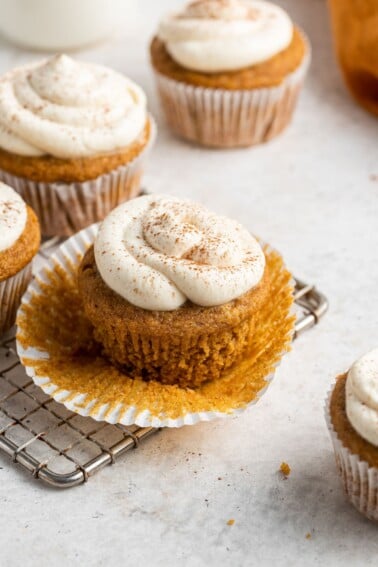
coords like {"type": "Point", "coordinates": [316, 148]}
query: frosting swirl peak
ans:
{"type": "Point", "coordinates": [212, 36]}
{"type": "Point", "coordinates": [68, 109]}
{"type": "Point", "coordinates": [158, 252]}
{"type": "Point", "coordinates": [362, 396]}
{"type": "Point", "coordinates": [13, 216]}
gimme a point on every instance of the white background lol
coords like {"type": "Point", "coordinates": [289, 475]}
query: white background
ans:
{"type": "Point", "coordinates": [312, 194]}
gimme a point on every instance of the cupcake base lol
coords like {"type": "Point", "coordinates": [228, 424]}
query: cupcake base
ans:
{"type": "Point", "coordinates": [65, 208]}
{"type": "Point", "coordinates": [225, 118]}
{"type": "Point", "coordinates": [360, 480]}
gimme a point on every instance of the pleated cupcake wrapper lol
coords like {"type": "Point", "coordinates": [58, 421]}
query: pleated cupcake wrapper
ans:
{"type": "Point", "coordinates": [227, 118]}
{"type": "Point", "coordinates": [11, 291]}
{"type": "Point", "coordinates": [65, 208]}
{"type": "Point", "coordinates": [360, 480]}
{"type": "Point", "coordinates": [71, 252]}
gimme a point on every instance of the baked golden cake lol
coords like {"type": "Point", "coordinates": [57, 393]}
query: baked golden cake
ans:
{"type": "Point", "coordinates": [353, 423]}
{"type": "Point", "coordinates": [229, 71]}
{"type": "Point", "coordinates": [73, 137]}
{"type": "Point", "coordinates": [172, 290]}
{"type": "Point", "coordinates": [189, 345]}
{"type": "Point", "coordinates": [19, 243]}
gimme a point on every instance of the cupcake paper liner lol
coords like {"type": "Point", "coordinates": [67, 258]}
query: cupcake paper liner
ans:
{"type": "Point", "coordinates": [65, 208]}
{"type": "Point", "coordinates": [360, 480]}
{"type": "Point", "coordinates": [230, 118]}
{"type": "Point", "coordinates": [11, 291]}
{"type": "Point", "coordinates": [114, 401]}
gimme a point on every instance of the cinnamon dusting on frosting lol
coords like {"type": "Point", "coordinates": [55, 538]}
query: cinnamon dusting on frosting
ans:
{"type": "Point", "coordinates": [224, 9]}
{"type": "Point", "coordinates": [68, 109]}
{"type": "Point", "coordinates": [214, 36]}
{"type": "Point", "coordinates": [179, 251]}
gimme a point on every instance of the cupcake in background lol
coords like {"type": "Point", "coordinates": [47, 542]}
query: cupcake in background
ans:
{"type": "Point", "coordinates": [229, 72]}
{"type": "Point", "coordinates": [352, 417]}
{"type": "Point", "coordinates": [73, 137]}
{"type": "Point", "coordinates": [19, 243]}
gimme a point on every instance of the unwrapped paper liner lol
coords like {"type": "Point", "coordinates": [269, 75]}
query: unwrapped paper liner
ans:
{"type": "Point", "coordinates": [65, 208]}
{"type": "Point", "coordinates": [360, 480]}
{"type": "Point", "coordinates": [67, 258]}
{"type": "Point", "coordinates": [224, 118]}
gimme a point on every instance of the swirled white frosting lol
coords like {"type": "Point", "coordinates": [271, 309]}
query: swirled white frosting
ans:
{"type": "Point", "coordinates": [68, 109]}
{"type": "Point", "coordinates": [13, 215]}
{"type": "Point", "coordinates": [158, 251]}
{"type": "Point", "coordinates": [211, 36]}
{"type": "Point", "coordinates": [362, 396]}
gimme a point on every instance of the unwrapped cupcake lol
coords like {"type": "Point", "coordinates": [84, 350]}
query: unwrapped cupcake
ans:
{"type": "Point", "coordinates": [352, 416]}
{"type": "Point", "coordinates": [229, 72]}
{"type": "Point", "coordinates": [173, 290]}
{"type": "Point", "coordinates": [163, 315]}
{"type": "Point", "coordinates": [73, 137]}
{"type": "Point", "coordinates": [19, 243]}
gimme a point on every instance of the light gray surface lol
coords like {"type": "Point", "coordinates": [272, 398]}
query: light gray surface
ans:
{"type": "Point", "coordinates": [312, 195]}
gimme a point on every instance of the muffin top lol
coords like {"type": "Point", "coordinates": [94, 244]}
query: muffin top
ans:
{"type": "Point", "coordinates": [212, 36]}
{"type": "Point", "coordinates": [157, 252]}
{"type": "Point", "coordinates": [69, 109]}
{"type": "Point", "coordinates": [13, 215]}
{"type": "Point", "coordinates": [362, 397]}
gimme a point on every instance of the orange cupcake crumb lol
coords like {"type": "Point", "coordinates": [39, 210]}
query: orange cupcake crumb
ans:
{"type": "Point", "coordinates": [285, 469]}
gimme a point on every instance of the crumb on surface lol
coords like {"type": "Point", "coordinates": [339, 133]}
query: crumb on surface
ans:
{"type": "Point", "coordinates": [231, 522]}
{"type": "Point", "coordinates": [308, 535]}
{"type": "Point", "coordinates": [285, 469]}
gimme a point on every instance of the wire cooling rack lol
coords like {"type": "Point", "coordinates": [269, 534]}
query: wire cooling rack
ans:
{"type": "Point", "coordinates": [63, 448]}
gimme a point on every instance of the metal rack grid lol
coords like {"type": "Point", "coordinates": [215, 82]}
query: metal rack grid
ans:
{"type": "Point", "coordinates": [65, 449]}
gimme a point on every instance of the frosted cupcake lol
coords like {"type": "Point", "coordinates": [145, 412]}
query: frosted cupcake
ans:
{"type": "Point", "coordinates": [173, 290]}
{"type": "Point", "coordinates": [229, 72]}
{"type": "Point", "coordinates": [19, 242]}
{"type": "Point", "coordinates": [352, 415]}
{"type": "Point", "coordinates": [73, 137]}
